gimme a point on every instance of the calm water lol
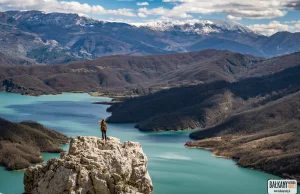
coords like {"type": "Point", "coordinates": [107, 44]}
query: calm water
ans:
{"type": "Point", "coordinates": [173, 168]}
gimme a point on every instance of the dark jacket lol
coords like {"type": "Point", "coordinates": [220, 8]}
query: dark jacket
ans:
{"type": "Point", "coordinates": [103, 126]}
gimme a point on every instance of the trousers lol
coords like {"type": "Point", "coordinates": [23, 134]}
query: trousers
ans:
{"type": "Point", "coordinates": [104, 135]}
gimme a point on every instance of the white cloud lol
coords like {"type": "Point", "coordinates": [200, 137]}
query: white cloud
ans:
{"type": "Point", "coordinates": [297, 27]}
{"type": "Point", "coordinates": [142, 15]}
{"type": "Point", "coordinates": [161, 11]}
{"type": "Point", "coordinates": [62, 6]}
{"type": "Point", "coordinates": [182, 9]}
{"type": "Point", "coordinates": [230, 17]}
{"type": "Point", "coordinates": [292, 22]}
{"type": "Point", "coordinates": [274, 26]}
{"type": "Point", "coordinates": [293, 4]}
{"type": "Point", "coordinates": [142, 3]}
{"type": "Point", "coordinates": [254, 9]}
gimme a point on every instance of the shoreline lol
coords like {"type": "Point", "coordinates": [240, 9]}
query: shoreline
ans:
{"type": "Point", "coordinates": [213, 151]}
{"type": "Point", "coordinates": [107, 103]}
{"type": "Point", "coordinates": [111, 95]}
{"type": "Point", "coordinates": [32, 164]}
{"type": "Point", "coordinates": [55, 94]}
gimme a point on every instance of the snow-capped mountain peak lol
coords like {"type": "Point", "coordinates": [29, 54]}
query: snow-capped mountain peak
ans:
{"type": "Point", "coordinates": [62, 19]}
{"type": "Point", "coordinates": [201, 27]}
{"type": "Point", "coordinates": [196, 26]}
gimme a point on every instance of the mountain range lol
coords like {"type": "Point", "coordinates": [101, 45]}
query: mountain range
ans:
{"type": "Point", "coordinates": [139, 75]}
{"type": "Point", "coordinates": [245, 104]}
{"type": "Point", "coordinates": [34, 37]}
{"type": "Point", "coordinates": [243, 97]}
{"type": "Point", "coordinates": [134, 74]}
{"type": "Point", "coordinates": [253, 118]}
{"type": "Point", "coordinates": [210, 103]}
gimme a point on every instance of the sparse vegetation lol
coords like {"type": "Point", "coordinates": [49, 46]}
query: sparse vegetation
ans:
{"type": "Point", "coordinates": [126, 75]}
{"type": "Point", "coordinates": [21, 144]}
{"type": "Point", "coordinates": [266, 138]}
{"type": "Point", "coordinates": [204, 105]}
{"type": "Point", "coordinates": [50, 56]}
{"type": "Point", "coordinates": [132, 183]}
{"type": "Point", "coordinates": [254, 120]}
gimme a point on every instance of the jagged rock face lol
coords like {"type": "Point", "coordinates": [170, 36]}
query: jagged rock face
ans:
{"type": "Point", "coordinates": [93, 166]}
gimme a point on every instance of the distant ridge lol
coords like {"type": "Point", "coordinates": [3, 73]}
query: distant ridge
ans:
{"type": "Point", "coordinates": [59, 38]}
{"type": "Point", "coordinates": [254, 119]}
{"type": "Point", "coordinates": [128, 74]}
{"type": "Point", "coordinates": [207, 104]}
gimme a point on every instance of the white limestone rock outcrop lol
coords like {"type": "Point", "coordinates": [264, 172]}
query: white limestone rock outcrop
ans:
{"type": "Point", "coordinates": [93, 166]}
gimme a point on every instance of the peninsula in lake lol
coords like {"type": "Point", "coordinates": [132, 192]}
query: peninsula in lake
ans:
{"type": "Point", "coordinates": [21, 144]}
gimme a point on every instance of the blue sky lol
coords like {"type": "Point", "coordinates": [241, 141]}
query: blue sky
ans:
{"type": "Point", "coordinates": [264, 16]}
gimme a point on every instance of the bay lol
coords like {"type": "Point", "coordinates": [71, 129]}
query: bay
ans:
{"type": "Point", "coordinates": [173, 168]}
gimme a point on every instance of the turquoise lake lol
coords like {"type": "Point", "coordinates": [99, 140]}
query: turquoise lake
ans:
{"type": "Point", "coordinates": [173, 168]}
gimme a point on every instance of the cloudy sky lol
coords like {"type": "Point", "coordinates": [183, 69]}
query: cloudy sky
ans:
{"type": "Point", "coordinates": [264, 16]}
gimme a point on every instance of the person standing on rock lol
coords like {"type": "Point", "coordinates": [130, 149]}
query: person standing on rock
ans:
{"type": "Point", "coordinates": [103, 128]}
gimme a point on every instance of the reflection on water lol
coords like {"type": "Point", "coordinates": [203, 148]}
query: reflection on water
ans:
{"type": "Point", "coordinates": [174, 169]}
{"type": "Point", "coordinates": [173, 156]}
{"type": "Point", "coordinates": [166, 137]}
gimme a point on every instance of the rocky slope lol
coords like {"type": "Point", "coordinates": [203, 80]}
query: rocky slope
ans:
{"type": "Point", "coordinates": [6, 60]}
{"type": "Point", "coordinates": [56, 38]}
{"type": "Point", "coordinates": [21, 144]}
{"type": "Point", "coordinates": [204, 105]}
{"type": "Point", "coordinates": [253, 120]}
{"type": "Point", "coordinates": [93, 166]}
{"type": "Point", "coordinates": [265, 138]}
{"type": "Point", "coordinates": [127, 73]}
{"type": "Point", "coordinates": [140, 74]}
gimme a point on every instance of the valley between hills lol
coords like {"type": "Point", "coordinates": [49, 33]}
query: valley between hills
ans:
{"type": "Point", "coordinates": [244, 107]}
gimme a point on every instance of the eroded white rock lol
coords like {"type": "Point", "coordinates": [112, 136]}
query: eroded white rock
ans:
{"type": "Point", "coordinates": [93, 166]}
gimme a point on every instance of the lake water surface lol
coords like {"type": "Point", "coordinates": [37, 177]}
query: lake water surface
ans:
{"type": "Point", "coordinates": [173, 168]}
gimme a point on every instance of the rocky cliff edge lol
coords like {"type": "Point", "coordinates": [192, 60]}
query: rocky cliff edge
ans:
{"type": "Point", "coordinates": [93, 166]}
